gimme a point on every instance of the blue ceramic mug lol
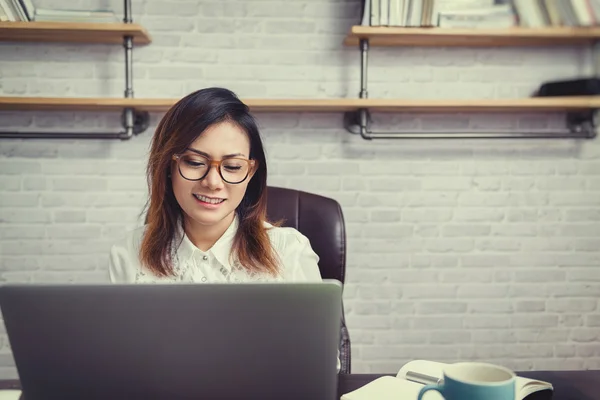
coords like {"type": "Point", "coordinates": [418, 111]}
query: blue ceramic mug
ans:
{"type": "Point", "coordinates": [475, 381]}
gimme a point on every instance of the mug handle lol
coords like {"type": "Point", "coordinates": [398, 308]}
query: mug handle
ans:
{"type": "Point", "coordinates": [439, 388]}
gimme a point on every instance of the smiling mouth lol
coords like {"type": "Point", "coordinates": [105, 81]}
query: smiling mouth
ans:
{"type": "Point", "coordinates": [210, 200]}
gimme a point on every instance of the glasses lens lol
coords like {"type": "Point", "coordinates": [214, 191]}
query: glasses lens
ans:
{"type": "Point", "coordinates": [234, 170]}
{"type": "Point", "coordinates": [193, 167]}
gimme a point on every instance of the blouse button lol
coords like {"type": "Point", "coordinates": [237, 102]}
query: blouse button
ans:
{"type": "Point", "coordinates": [205, 257]}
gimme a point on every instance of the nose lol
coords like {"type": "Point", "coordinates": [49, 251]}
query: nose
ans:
{"type": "Point", "coordinates": [213, 180]}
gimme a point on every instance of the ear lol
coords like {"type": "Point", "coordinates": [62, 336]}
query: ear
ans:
{"type": "Point", "coordinates": [253, 168]}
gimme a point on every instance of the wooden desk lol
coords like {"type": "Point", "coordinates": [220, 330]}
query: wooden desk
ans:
{"type": "Point", "coordinates": [568, 385]}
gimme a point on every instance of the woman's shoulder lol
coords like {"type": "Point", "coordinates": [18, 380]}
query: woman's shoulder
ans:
{"type": "Point", "coordinates": [300, 261]}
{"type": "Point", "coordinates": [284, 236]}
{"type": "Point", "coordinates": [123, 259]}
{"type": "Point", "coordinates": [130, 240]}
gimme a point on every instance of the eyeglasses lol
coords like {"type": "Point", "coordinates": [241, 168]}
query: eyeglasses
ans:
{"type": "Point", "coordinates": [195, 167]}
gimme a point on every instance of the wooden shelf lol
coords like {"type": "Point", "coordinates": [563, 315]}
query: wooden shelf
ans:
{"type": "Point", "coordinates": [72, 32]}
{"type": "Point", "coordinates": [540, 104]}
{"type": "Point", "coordinates": [83, 103]}
{"type": "Point", "coordinates": [517, 36]}
{"type": "Point", "coordinates": [161, 105]}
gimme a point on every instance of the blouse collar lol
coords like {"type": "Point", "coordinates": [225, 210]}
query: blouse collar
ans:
{"type": "Point", "coordinates": [221, 250]}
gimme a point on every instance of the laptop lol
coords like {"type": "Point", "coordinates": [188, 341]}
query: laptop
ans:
{"type": "Point", "coordinates": [181, 341]}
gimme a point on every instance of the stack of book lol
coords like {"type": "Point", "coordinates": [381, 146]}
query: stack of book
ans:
{"type": "Point", "coordinates": [481, 13]}
{"type": "Point", "coordinates": [24, 10]}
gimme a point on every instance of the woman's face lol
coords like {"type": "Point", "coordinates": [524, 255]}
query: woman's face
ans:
{"type": "Point", "coordinates": [212, 200]}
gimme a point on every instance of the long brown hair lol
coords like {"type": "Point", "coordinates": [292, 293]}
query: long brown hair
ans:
{"type": "Point", "coordinates": [179, 127]}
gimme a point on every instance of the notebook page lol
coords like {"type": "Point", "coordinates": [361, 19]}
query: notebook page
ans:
{"type": "Point", "coordinates": [390, 388]}
{"type": "Point", "coordinates": [526, 386]}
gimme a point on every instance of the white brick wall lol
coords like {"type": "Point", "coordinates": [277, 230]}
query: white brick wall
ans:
{"type": "Point", "coordinates": [458, 249]}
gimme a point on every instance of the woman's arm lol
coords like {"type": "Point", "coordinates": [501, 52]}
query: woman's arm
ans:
{"type": "Point", "coordinates": [117, 266]}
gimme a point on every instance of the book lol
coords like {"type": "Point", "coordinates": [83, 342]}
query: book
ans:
{"type": "Point", "coordinates": [498, 16]}
{"type": "Point", "coordinates": [42, 14]}
{"type": "Point", "coordinates": [415, 374]}
{"type": "Point", "coordinates": [10, 394]}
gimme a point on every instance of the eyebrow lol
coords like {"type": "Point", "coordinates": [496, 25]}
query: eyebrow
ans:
{"type": "Point", "coordinates": [208, 155]}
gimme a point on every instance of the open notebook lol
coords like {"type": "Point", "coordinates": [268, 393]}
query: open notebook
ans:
{"type": "Point", "coordinates": [416, 374]}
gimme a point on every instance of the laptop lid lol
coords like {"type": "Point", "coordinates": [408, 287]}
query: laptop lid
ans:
{"type": "Point", "coordinates": [182, 341]}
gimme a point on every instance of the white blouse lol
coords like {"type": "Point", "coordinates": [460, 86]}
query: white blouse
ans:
{"type": "Point", "coordinates": [298, 260]}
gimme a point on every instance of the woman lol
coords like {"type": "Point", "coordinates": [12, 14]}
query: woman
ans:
{"type": "Point", "coordinates": [206, 215]}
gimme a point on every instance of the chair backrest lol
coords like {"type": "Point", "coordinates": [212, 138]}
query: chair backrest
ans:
{"type": "Point", "coordinates": [318, 218]}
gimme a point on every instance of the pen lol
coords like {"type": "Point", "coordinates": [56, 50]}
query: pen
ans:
{"type": "Point", "coordinates": [422, 378]}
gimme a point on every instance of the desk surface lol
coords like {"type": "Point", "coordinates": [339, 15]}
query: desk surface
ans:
{"type": "Point", "coordinates": [568, 385]}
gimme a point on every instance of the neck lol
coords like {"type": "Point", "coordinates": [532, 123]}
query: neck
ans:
{"type": "Point", "coordinates": [205, 236]}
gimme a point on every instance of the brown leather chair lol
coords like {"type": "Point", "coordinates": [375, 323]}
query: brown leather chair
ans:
{"type": "Point", "coordinates": [320, 219]}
